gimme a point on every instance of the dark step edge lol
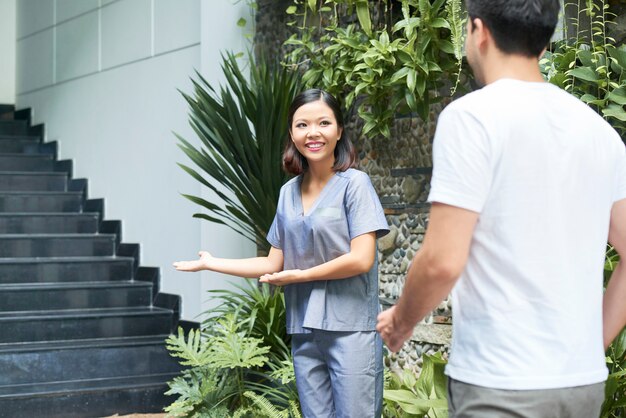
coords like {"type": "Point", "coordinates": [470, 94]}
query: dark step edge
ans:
{"type": "Point", "coordinates": [34, 173]}
{"type": "Point", "coordinates": [77, 259]}
{"type": "Point", "coordinates": [53, 315]}
{"type": "Point", "coordinates": [43, 286]}
{"type": "Point", "coordinates": [23, 114]}
{"type": "Point", "coordinates": [73, 235]}
{"type": "Point", "coordinates": [134, 341]}
{"type": "Point", "coordinates": [49, 214]}
{"type": "Point", "coordinates": [19, 155]}
{"type": "Point", "coordinates": [40, 193]}
{"type": "Point", "coordinates": [88, 385]}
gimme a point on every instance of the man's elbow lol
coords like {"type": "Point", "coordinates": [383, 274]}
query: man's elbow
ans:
{"type": "Point", "coordinates": [443, 270]}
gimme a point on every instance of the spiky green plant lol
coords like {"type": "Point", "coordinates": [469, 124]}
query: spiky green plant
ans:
{"type": "Point", "coordinates": [407, 396]}
{"type": "Point", "coordinates": [242, 128]}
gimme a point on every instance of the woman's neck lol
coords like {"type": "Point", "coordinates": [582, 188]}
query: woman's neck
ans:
{"type": "Point", "coordinates": [318, 174]}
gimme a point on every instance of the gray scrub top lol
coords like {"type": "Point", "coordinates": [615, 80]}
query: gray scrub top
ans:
{"type": "Point", "coordinates": [347, 207]}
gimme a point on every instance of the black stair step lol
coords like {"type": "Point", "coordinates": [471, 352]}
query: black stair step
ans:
{"type": "Point", "coordinates": [81, 295]}
{"type": "Point", "coordinates": [48, 223]}
{"type": "Point", "coordinates": [63, 361]}
{"type": "Point", "coordinates": [93, 398]}
{"type": "Point", "coordinates": [31, 326]}
{"type": "Point", "coordinates": [37, 202]}
{"type": "Point", "coordinates": [26, 162]}
{"type": "Point", "coordinates": [67, 269]}
{"type": "Point", "coordinates": [13, 127]}
{"type": "Point", "coordinates": [22, 145]}
{"type": "Point", "coordinates": [57, 245]}
{"type": "Point", "coordinates": [13, 137]}
{"type": "Point", "coordinates": [6, 111]}
{"type": "Point", "coordinates": [14, 181]}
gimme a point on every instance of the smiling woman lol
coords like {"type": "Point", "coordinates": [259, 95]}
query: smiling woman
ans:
{"type": "Point", "coordinates": [323, 252]}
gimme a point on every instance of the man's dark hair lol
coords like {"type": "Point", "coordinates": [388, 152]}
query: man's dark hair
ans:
{"type": "Point", "coordinates": [345, 154]}
{"type": "Point", "coordinates": [517, 26]}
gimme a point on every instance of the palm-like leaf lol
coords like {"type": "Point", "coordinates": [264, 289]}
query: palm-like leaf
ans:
{"type": "Point", "coordinates": [242, 129]}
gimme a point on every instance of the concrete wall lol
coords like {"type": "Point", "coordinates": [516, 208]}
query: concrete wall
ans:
{"type": "Point", "coordinates": [103, 76]}
{"type": "Point", "coordinates": [7, 51]}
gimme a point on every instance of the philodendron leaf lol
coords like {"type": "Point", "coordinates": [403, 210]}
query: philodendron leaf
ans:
{"type": "Point", "coordinates": [583, 73]}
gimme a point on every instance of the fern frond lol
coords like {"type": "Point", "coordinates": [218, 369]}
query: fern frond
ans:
{"type": "Point", "coordinates": [456, 20]}
{"type": "Point", "coordinates": [294, 409]}
{"type": "Point", "coordinates": [266, 406]}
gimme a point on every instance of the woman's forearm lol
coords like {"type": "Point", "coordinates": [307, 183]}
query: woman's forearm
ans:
{"type": "Point", "coordinates": [245, 267]}
{"type": "Point", "coordinates": [347, 265]}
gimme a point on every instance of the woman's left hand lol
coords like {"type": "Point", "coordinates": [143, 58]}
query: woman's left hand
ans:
{"type": "Point", "coordinates": [283, 277]}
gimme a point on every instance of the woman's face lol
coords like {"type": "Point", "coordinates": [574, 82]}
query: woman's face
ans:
{"type": "Point", "coordinates": [315, 132]}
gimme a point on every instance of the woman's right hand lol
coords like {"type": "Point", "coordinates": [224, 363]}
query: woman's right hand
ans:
{"type": "Point", "coordinates": [195, 265]}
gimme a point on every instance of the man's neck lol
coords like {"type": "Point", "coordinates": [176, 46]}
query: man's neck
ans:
{"type": "Point", "coordinates": [512, 66]}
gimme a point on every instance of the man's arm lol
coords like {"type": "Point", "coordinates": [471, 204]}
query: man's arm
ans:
{"type": "Point", "coordinates": [433, 272]}
{"type": "Point", "coordinates": [614, 308]}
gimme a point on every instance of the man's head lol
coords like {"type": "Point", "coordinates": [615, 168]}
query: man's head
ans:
{"type": "Point", "coordinates": [521, 27]}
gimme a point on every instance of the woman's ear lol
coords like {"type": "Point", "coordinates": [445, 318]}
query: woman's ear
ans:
{"type": "Point", "coordinates": [340, 133]}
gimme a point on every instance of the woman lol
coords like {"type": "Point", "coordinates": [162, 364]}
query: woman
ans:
{"type": "Point", "coordinates": [323, 252]}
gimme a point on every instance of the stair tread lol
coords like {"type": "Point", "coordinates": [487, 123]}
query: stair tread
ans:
{"type": "Point", "coordinates": [40, 193]}
{"type": "Point", "coordinates": [34, 173]}
{"type": "Point", "coordinates": [84, 313]}
{"type": "Point", "coordinates": [86, 385]}
{"type": "Point", "coordinates": [73, 285]}
{"type": "Point", "coordinates": [57, 235]}
{"type": "Point", "coordinates": [42, 156]}
{"type": "Point", "coordinates": [48, 214]}
{"type": "Point", "coordinates": [7, 348]}
{"type": "Point", "coordinates": [81, 259]}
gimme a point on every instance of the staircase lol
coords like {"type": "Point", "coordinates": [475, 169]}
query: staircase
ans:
{"type": "Point", "coordinates": [82, 326]}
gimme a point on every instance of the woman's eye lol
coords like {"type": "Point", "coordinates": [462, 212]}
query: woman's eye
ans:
{"type": "Point", "coordinates": [324, 123]}
{"type": "Point", "coordinates": [301, 125]}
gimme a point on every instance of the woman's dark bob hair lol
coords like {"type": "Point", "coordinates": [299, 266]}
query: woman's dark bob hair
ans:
{"type": "Point", "coordinates": [345, 155]}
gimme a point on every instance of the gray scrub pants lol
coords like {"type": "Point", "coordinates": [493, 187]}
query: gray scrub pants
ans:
{"type": "Point", "coordinates": [339, 374]}
{"type": "Point", "coordinates": [470, 401]}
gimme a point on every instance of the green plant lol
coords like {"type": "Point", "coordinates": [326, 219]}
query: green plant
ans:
{"type": "Point", "coordinates": [242, 129]}
{"type": "Point", "coordinates": [392, 64]}
{"type": "Point", "coordinates": [261, 312]}
{"type": "Point", "coordinates": [590, 65]}
{"type": "Point", "coordinates": [407, 396]}
{"type": "Point", "coordinates": [615, 392]}
{"type": "Point", "coordinates": [242, 348]}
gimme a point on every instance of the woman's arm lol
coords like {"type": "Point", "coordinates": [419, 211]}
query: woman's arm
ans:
{"type": "Point", "coordinates": [243, 267]}
{"type": "Point", "coordinates": [358, 261]}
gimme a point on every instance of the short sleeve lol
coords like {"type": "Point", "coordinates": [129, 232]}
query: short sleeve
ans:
{"type": "Point", "coordinates": [619, 192]}
{"type": "Point", "coordinates": [275, 233]}
{"type": "Point", "coordinates": [462, 166]}
{"type": "Point", "coordinates": [363, 209]}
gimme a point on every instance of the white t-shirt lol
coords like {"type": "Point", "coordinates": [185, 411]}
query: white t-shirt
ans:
{"type": "Point", "coordinates": [543, 170]}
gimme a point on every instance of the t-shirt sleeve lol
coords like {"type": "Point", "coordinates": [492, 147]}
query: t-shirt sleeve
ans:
{"type": "Point", "coordinates": [620, 182]}
{"type": "Point", "coordinates": [274, 234]}
{"type": "Point", "coordinates": [462, 161]}
{"type": "Point", "coordinates": [363, 209]}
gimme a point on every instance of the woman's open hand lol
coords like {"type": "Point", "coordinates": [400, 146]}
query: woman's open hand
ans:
{"type": "Point", "coordinates": [196, 265]}
{"type": "Point", "coordinates": [284, 277]}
